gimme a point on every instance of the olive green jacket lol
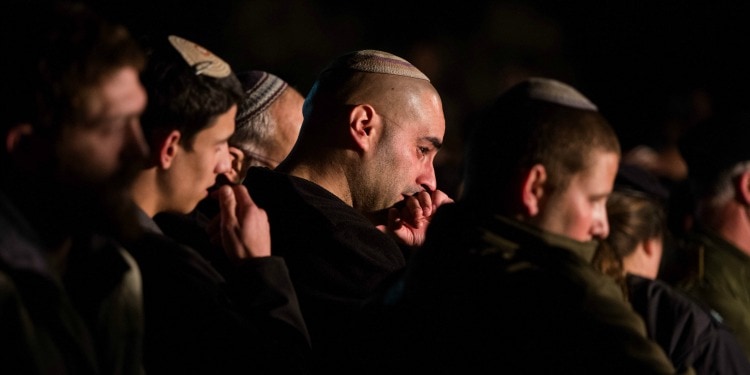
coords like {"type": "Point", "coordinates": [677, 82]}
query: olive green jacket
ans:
{"type": "Point", "coordinates": [720, 278]}
{"type": "Point", "coordinates": [493, 295]}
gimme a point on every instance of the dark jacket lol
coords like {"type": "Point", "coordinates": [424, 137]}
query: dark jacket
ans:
{"type": "Point", "coordinates": [720, 279]}
{"type": "Point", "coordinates": [336, 256]}
{"type": "Point", "coordinates": [497, 296]}
{"type": "Point", "coordinates": [197, 323]}
{"type": "Point", "coordinates": [88, 322]}
{"type": "Point", "coordinates": [687, 331]}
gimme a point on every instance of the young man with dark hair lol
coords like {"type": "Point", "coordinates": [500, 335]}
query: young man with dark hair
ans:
{"type": "Point", "coordinates": [197, 320]}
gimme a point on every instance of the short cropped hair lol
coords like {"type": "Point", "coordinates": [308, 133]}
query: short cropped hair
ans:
{"type": "Point", "coordinates": [519, 131]}
{"type": "Point", "coordinates": [180, 97]}
{"type": "Point", "coordinates": [340, 84]}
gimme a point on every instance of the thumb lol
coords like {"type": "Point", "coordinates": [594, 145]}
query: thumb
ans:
{"type": "Point", "coordinates": [228, 205]}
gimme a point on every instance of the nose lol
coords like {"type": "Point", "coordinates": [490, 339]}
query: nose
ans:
{"type": "Point", "coordinates": [427, 178]}
{"type": "Point", "coordinates": [600, 226]}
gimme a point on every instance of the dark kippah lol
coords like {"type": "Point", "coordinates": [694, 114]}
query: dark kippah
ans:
{"type": "Point", "coordinates": [635, 180]}
{"type": "Point", "coordinates": [261, 90]}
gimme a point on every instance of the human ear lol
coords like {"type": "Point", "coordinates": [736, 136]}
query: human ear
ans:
{"type": "Point", "coordinates": [743, 188]}
{"type": "Point", "coordinates": [532, 190]}
{"type": "Point", "coordinates": [169, 149]}
{"type": "Point", "coordinates": [236, 173]}
{"type": "Point", "coordinates": [16, 136]}
{"type": "Point", "coordinates": [361, 125]}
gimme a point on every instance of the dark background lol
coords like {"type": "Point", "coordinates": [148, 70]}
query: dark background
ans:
{"type": "Point", "coordinates": [653, 68]}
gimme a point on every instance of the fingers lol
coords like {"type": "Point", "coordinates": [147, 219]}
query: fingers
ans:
{"type": "Point", "coordinates": [228, 205]}
{"type": "Point", "coordinates": [418, 209]}
{"type": "Point", "coordinates": [439, 198]}
{"type": "Point", "coordinates": [242, 199]}
{"type": "Point", "coordinates": [408, 224]}
{"type": "Point", "coordinates": [244, 226]}
{"type": "Point", "coordinates": [414, 210]}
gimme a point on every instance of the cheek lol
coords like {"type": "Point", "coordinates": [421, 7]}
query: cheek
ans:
{"type": "Point", "coordinates": [581, 219]}
{"type": "Point", "coordinates": [95, 158]}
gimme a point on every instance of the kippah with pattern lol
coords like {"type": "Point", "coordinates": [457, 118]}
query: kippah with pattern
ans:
{"type": "Point", "coordinates": [199, 58]}
{"type": "Point", "coordinates": [553, 91]}
{"type": "Point", "coordinates": [261, 90]}
{"type": "Point", "coordinates": [374, 61]}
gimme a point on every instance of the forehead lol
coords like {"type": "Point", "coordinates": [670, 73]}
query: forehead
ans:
{"type": "Point", "coordinates": [599, 175]}
{"type": "Point", "coordinates": [118, 94]}
{"type": "Point", "coordinates": [424, 116]}
{"type": "Point", "coordinates": [218, 131]}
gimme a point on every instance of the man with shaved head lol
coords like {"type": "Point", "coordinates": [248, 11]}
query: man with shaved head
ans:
{"type": "Point", "coordinates": [358, 189]}
{"type": "Point", "coordinates": [503, 282]}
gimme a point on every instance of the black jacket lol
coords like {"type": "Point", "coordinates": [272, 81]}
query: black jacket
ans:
{"type": "Point", "coordinates": [197, 323]}
{"type": "Point", "coordinates": [687, 331]}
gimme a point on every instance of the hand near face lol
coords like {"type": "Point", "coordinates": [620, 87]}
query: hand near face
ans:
{"type": "Point", "coordinates": [408, 223]}
{"type": "Point", "coordinates": [244, 228]}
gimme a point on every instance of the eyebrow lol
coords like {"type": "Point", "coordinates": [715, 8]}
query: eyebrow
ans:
{"type": "Point", "coordinates": [435, 142]}
{"type": "Point", "coordinates": [601, 195]}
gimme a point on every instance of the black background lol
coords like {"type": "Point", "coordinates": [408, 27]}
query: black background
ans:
{"type": "Point", "coordinates": [643, 63]}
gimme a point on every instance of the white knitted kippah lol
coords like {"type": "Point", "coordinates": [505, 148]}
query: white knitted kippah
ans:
{"type": "Point", "coordinates": [553, 91]}
{"type": "Point", "coordinates": [374, 61]}
{"type": "Point", "coordinates": [202, 60]}
{"type": "Point", "coordinates": [261, 90]}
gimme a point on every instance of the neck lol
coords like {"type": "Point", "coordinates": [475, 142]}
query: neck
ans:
{"type": "Point", "coordinates": [145, 192]}
{"type": "Point", "coordinates": [640, 263]}
{"type": "Point", "coordinates": [330, 174]}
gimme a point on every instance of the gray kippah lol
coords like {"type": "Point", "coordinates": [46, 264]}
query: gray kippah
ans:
{"type": "Point", "coordinates": [261, 90]}
{"type": "Point", "coordinates": [553, 91]}
{"type": "Point", "coordinates": [202, 60]}
{"type": "Point", "coordinates": [374, 61]}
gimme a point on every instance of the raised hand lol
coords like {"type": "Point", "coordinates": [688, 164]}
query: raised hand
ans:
{"type": "Point", "coordinates": [244, 228]}
{"type": "Point", "coordinates": [408, 222]}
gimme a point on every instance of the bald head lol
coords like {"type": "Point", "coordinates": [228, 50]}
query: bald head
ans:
{"type": "Point", "coordinates": [386, 81]}
{"type": "Point", "coordinates": [374, 61]}
{"type": "Point", "coordinates": [368, 112]}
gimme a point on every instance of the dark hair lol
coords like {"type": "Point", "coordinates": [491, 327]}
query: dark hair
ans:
{"type": "Point", "coordinates": [633, 217]}
{"type": "Point", "coordinates": [179, 98]}
{"type": "Point", "coordinates": [55, 53]}
{"type": "Point", "coordinates": [517, 132]}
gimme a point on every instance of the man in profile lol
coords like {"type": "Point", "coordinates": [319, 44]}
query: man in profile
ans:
{"type": "Point", "coordinates": [70, 296]}
{"type": "Point", "coordinates": [504, 282]}
{"type": "Point", "coordinates": [373, 124]}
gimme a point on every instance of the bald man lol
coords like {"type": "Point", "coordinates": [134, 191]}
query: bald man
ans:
{"type": "Point", "coordinates": [503, 283]}
{"type": "Point", "coordinates": [357, 190]}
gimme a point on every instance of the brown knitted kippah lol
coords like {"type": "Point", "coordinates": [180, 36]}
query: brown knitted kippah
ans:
{"type": "Point", "coordinates": [553, 91]}
{"type": "Point", "coordinates": [374, 61]}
